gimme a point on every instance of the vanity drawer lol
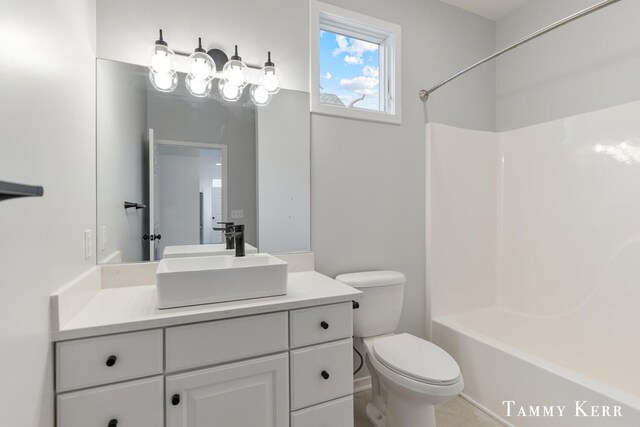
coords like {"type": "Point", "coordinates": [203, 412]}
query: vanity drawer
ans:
{"type": "Point", "coordinates": [321, 373]}
{"type": "Point", "coordinates": [130, 404]}
{"type": "Point", "coordinates": [221, 341]}
{"type": "Point", "coordinates": [95, 361]}
{"type": "Point", "coordinates": [335, 413]}
{"type": "Point", "coordinates": [321, 324]}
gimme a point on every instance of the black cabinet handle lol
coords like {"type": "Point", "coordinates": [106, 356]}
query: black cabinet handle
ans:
{"type": "Point", "coordinates": [111, 360]}
{"type": "Point", "coordinates": [324, 325]}
{"type": "Point", "coordinates": [175, 399]}
{"type": "Point", "coordinates": [355, 304]}
{"type": "Point", "coordinates": [113, 423]}
{"type": "Point", "coordinates": [325, 375]}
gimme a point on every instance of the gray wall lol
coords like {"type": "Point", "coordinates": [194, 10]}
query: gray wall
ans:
{"type": "Point", "coordinates": [587, 65]}
{"type": "Point", "coordinates": [122, 136]}
{"type": "Point", "coordinates": [47, 117]}
{"type": "Point", "coordinates": [368, 191]}
{"type": "Point", "coordinates": [284, 175]}
{"type": "Point", "coordinates": [181, 117]}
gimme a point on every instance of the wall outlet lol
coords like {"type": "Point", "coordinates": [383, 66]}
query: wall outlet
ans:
{"type": "Point", "coordinates": [237, 214]}
{"type": "Point", "coordinates": [87, 244]}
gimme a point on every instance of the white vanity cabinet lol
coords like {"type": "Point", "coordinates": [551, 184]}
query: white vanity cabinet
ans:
{"type": "Point", "coordinates": [276, 369]}
{"type": "Point", "coordinates": [250, 393]}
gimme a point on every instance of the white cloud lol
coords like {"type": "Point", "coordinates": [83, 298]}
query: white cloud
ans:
{"type": "Point", "coordinates": [326, 76]}
{"type": "Point", "coordinates": [370, 71]}
{"type": "Point", "coordinates": [354, 49]}
{"type": "Point", "coordinates": [362, 85]}
{"type": "Point", "coordinates": [353, 60]}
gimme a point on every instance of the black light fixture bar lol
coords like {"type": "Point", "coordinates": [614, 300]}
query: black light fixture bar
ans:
{"type": "Point", "coordinates": [12, 190]}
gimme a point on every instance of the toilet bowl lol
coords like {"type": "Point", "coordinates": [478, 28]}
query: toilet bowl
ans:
{"type": "Point", "coordinates": [409, 375]}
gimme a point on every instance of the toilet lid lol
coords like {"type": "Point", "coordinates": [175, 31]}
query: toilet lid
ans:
{"type": "Point", "coordinates": [416, 358]}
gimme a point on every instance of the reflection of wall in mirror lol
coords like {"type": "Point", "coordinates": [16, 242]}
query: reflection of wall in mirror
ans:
{"type": "Point", "coordinates": [121, 153]}
{"type": "Point", "coordinates": [183, 118]}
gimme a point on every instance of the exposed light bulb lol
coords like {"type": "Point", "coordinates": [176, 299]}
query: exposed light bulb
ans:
{"type": "Point", "coordinates": [198, 87]}
{"type": "Point", "coordinates": [164, 82]}
{"type": "Point", "coordinates": [228, 91]}
{"type": "Point", "coordinates": [200, 65]}
{"type": "Point", "coordinates": [161, 61]}
{"type": "Point", "coordinates": [259, 95]}
{"type": "Point", "coordinates": [270, 81]}
{"type": "Point", "coordinates": [235, 76]}
{"type": "Point", "coordinates": [235, 71]}
{"type": "Point", "coordinates": [270, 77]}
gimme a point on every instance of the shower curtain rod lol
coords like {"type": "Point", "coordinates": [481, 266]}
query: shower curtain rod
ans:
{"type": "Point", "coordinates": [424, 94]}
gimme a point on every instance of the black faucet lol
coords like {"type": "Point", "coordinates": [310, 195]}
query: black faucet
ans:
{"type": "Point", "coordinates": [237, 233]}
{"type": "Point", "coordinates": [228, 228]}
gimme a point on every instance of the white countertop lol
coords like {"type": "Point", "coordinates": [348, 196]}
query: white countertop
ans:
{"type": "Point", "coordinates": [132, 308]}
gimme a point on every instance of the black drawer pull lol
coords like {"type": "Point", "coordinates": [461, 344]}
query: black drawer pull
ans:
{"type": "Point", "coordinates": [111, 360]}
{"type": "Point", "coordinates": [325, 375]}
{"type": "Point", "coordinates": [356, 305]}
{"type": "Point", "coordinates": [175, 399]}
{"type": "Point", "coordinates": [324, 325]}
{"type": "Point", "coordinates": [113, 423]}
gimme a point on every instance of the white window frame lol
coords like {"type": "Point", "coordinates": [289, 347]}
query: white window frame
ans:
{"type": "Point", "coordinates": [352, 24]}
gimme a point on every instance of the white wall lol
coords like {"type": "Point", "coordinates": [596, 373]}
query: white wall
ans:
{"type": "Point", "coordinates": [589, 64]}
{"type": "Point", "coordinates": [122, 145]}
{"type": "Point", "coordinates": [47, 116]}
{"type": "Point", "coordinates": [284, 175]}
{"type": "Point", "coordinates": [368, 179]}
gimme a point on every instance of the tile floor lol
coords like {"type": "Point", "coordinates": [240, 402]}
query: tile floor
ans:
{"type": "Point", "coordinates": [456, 413]}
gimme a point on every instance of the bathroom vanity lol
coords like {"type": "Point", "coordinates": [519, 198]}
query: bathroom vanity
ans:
{"type": "Point", "coordinates": [266, 362]}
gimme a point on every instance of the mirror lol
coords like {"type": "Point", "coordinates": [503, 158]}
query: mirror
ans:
{"type": "Point", "coordinates": [171, 167]}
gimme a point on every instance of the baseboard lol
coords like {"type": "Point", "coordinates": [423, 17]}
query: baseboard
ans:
{"type": "Point", "coordinates": [361, 384]}
{"type": "Point", "coordinates": [485, 410]}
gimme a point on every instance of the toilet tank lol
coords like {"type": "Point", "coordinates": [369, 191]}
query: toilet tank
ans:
{"type": "Point", "coordinates": [381, 304]}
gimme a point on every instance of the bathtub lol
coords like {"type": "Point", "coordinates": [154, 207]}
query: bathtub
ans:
{"type": "Point", "coordinates": [512, 363]}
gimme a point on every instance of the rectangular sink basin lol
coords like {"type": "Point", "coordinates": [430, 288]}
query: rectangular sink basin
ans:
{"type": "Point", "coordinates": [203, 250]}
{"type": "Point", "coordinates": [204, 280]}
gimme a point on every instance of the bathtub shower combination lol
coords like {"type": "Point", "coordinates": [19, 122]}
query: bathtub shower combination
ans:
{"type": "Point", "coordinates": [534, 266]}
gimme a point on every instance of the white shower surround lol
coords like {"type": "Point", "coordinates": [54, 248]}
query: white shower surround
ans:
{"type": "Point", "coordinates": [533, 249]}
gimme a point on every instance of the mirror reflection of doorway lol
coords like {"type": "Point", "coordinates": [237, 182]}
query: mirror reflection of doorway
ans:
{"type": "Point", "coordinates": [190, 196]}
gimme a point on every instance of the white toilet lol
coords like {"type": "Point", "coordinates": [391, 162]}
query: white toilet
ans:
{"type": "Point", "coordinates": [409, 375]}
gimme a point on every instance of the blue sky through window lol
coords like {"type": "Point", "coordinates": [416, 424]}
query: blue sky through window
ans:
{"type": "Point", "coordinates": [349, 69]}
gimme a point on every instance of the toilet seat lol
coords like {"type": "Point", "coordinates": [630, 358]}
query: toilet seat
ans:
{"type": "Point", "coordinates": [417, 359]}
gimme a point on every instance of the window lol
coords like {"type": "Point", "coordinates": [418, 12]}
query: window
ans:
{"type": "Point", "coordinates": [355, 65]}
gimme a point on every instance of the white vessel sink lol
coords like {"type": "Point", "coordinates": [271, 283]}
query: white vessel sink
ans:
{"type": "Point", "coordinates": [204, 280]}
{"type": "Point", "coordinates": [203, 250]}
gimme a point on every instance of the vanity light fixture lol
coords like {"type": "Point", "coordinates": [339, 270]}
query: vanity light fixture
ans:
{"type": "Point", "coordinates": [203, 67]}
{"type": "Point", "coordinates": [201, 70]}
{"type": "Point", "coordinates": [161, 61]}
{"type": "Point", "coordinates": [270, 76]}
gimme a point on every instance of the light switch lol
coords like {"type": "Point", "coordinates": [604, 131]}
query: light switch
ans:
{"type": "Point", "coordinates": [237, 213]}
